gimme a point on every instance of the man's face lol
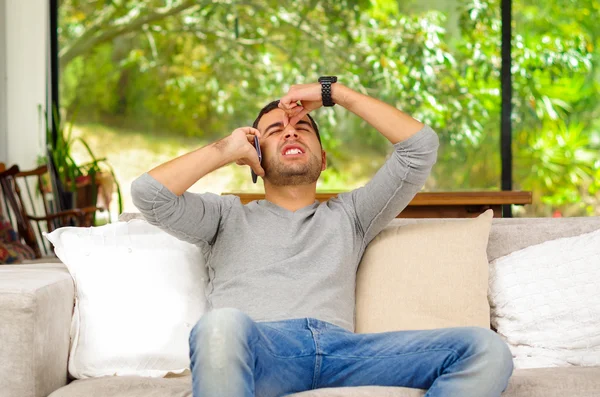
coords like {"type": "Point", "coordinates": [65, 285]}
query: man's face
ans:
{"type": "Point", "coordinates": [291, 155]}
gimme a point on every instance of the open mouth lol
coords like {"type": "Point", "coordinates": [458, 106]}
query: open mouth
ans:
{"type": "Point", "coordinates": [292, 151]}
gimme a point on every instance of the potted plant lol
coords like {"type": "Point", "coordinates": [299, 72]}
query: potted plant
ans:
{"type": "Point", "coordinates": [81, 181]}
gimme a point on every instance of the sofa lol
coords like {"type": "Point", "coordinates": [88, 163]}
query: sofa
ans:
{"type": "Point", "coordinates": [36, 306]}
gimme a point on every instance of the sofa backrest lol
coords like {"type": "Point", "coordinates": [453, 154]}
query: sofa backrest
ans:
{"type": "Point", "coordinates": [512, 234]}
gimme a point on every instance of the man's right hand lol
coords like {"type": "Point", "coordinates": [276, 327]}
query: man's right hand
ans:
{"type": "Point", "coordinates": [241, 142]}
{"type": "Point", "coordinates": [179, 174]}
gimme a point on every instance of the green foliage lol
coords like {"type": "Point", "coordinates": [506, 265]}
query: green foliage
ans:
{"type": "Point", "coordinates": [68, 169]}
{"type": "Point", "coordinates": [61, 149]}
{"type": "Point", "coordinates": [202, 68]}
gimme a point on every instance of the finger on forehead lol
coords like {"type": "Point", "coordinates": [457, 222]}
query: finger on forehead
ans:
{"type": "Point", "coordinates": [298, 117]}
{"type": "Point", "coordinates": [287, 103]}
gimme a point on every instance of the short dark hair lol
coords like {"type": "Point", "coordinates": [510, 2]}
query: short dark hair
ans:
{"type": "Point", "coordinates": [275, 105]}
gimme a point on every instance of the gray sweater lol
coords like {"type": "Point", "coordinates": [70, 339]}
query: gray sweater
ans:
{"type": "Point", "coordinates": [274, 264]}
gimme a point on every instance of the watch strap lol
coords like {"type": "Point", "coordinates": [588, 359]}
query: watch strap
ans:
{"type": "Point", "coordinates": [326, 82]}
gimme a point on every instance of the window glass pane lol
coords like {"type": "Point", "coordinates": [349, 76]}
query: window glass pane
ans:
{"type": "Point", "coordinates": [142, 93]}
{"type": "Point", "coordinates": [556, 119]}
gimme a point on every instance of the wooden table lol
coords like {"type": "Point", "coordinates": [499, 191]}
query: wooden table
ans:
{"type": "Point", "coordinates": [439, 204]}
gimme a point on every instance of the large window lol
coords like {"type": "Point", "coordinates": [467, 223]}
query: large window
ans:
{"type": "Point", "coordinates": [148, 80]}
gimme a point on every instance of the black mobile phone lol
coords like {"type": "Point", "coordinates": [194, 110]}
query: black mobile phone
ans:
{"type": "Point", "coordinates": [257, 147]}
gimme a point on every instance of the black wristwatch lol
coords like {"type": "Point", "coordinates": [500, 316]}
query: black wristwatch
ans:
{"type": "Point", "coordinates": [326, 82]}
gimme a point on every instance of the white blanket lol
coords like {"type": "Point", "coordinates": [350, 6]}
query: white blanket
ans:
{"type": "Point", "coordinates": [545, 302]}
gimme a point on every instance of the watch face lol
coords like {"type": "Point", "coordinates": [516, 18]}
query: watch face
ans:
{"type": "Point", "coordinates": [331, 79]}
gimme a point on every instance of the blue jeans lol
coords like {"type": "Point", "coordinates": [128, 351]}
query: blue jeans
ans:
{"type": "Point", "coordinates": [232, 356]}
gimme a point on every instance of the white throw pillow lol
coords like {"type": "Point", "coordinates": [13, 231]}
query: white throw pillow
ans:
{"type": "Point", "coordinates": [139, 292]}
{"type": "Point", "coordinates": [545, 302]}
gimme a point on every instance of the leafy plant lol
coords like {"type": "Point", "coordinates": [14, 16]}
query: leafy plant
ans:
{"type": "Point", "coordinates": [69, 171]}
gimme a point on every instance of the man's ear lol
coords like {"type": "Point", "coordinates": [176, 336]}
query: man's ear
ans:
{"type": "Point", "coordinates": [323, 160]}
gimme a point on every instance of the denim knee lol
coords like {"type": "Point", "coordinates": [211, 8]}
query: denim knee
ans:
{"type": "Point", "coordinates": [221, 322]}
{"type": "Point", "coordinates": [220, 332]}
{"type": "Point", "coordinates": [494, 352]}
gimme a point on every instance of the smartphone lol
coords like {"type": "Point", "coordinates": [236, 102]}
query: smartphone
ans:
{"type": "Point", "coordinates": [257, 147]}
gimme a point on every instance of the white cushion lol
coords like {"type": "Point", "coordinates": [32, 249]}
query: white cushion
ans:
{"type": "Point", "coordinates": [545, 302]}
{"type": "Point", "coordinates": [139, 292]}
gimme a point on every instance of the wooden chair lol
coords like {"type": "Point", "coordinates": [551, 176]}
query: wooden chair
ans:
{"type": "Point", "coordinates": [24, 215]}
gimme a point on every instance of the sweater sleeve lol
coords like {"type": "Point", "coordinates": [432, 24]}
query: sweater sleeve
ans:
{"type": "Point", "coordinates": [191, 217]}
{"type": "Point", "coordinates": [394, 185]}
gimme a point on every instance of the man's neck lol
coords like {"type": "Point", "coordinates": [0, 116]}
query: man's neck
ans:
{"type": "Point", "coordinates": [292, 198]}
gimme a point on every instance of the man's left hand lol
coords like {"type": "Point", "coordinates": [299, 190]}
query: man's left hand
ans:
{"type": "Point", "coordinates": [309, 96]}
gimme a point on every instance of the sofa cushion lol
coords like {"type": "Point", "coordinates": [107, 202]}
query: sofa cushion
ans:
{"type": "Point", "coordinates": [545, 302]}
{"type": "Point", "coordinates": [541, 382]}
{"type": "Point", "coordinates": [554, 382]}
{"type": "Point", "coordinates": [512, 234]}
{"type": "Point", "coordinates": [139, 292]}
{"type": "Point", "coordinates": [7, 254]}
{"type": "Point", "coordinates": [425, 276]}
{"type": "Point", "coordinates": [135, 386]}
{"type": "Point", "coordinates": [127, 386]}
{"type": "Point", "coordinates": [36, 304]}
{"type": "Point", "coordinates": [12, 250]}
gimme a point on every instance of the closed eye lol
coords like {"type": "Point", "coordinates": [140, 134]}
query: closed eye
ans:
{"type": "Point", "coordinates": [279, 130]}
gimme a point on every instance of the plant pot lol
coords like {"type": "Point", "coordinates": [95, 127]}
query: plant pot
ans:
{"type": "Point", "coordinates": [85, 194]}
{"type": "Point", "coordinates": [85, 190]}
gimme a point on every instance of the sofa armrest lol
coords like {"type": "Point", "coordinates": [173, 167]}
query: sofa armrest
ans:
{"type": "Point", "coordinates": [36, 306]}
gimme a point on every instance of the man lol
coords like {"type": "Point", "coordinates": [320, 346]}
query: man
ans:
{"type": "Point", "coordinates": [282, 270]}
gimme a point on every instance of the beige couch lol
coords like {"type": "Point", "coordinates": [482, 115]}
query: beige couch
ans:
{"type": "Point", "coordinates": [36, 304]}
